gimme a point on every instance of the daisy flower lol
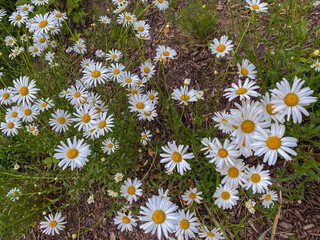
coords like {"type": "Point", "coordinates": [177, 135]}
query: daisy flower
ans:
{"type": "Point", "coordinates": [104, 124]}
{"type": "Point", "coordinates": [80, 48]}
{"type": "Point", "coordinates": [255, 5]}
{"type": "Point", "coordinates": [125, 222]}
{"type": "Point", "coordinates": [226, 196]}
{"type": "Point", "coordinates": [246, 69]}
{"type": "Point", "coordinates": [6, 96]}
{"type": "Point", "coordinates": [27, 8]}
{"type": "Point", "coordinates": [244, 91]}
{"type": "Point", "coordinates": [85, 117]}
{"type": "Point", "coordinates": [95, 74]}
{"type": "Point", "coordinates": [94, 99]}
{"type": "Point", "coordinates": [141, 26]}
{"type": "Point", "coordinates": [60, 120]}
{"type": "Point", "coordinates": [257, 179]}
{"type": "Point", "coordinates": [222, 47]}
{"type": "Point", "coordinates": [192, 195]}
{"type": "Point", "coordinates": [10, 127]}
{"type": "Point", "coordinates": [35, 51]}
{"type": "Point", "coordinates": [130, 190]}
{"type": "Point", "coordinates": [118, 177]}
{"type": "Point", "coordinates": [134, 90]}
{"type": "Point", "coordinates": [2, 13]}
{"type": "Point", "coordinates": [159, 215]}
{"type": "Point", "coordinates": [248, 120]}
{"type": "Point", "coordinates": [13, 194]}
{"type": "Point", "coordinates": [101, 108]}
{"type": "Point", "coordinates": [86, 62]}
{"type": "Point", "coordinates": [12, 113]}
{"type": "Point", "coordinates": [128, 79]}
{"type": "Point", "coordinates": [100, 53]}
{"type": "Point", "coordinates": [43, 105]}
{"type": "Point", "coordinates": [153, 96]}
{"type": "Point", "coordinates": [225, 154]}
{"type": "Point", "coordinates": [50, 56]}
{"type": "Point", "coordinates": [147, 69]}
{"type": "Point", "coordinates": [221, 118]}
{"type": "Point", "coordinates": [268, 108]}
{"type": "Point", "coordinates": [149, 115]}
{"type": "Point", "coordinates": [316, 66]}
{"type": "Point", "coordinates": [18, 18]}
{"type": "Point", "coordinates": [164, 52]}
{"type": "Point", "coordinates": [208, 143]}
{"type": "Point", "coordinates": [115, 71]}
{"type": "Point", "coordinates": [126, 19]}
{"type": "Point", "coordinates": [28, 112]}
{"type": "Point", "coordinates": [121, 7]}
{"type": "Point", "coordinates": [162, 193]}
{"type": "Point", "coordinates": [59, 15]}
{"type": "Point", "coordinates": [184, 95]}
{"type": "Point", "coordinates": [186, 225]}
{"type": "Point", "coordinates": [119, 2]}
{"type": "Point", "coordinates": [175, 157]}
{"type": "Point", "coordinates": [73, 154]}
{"type": "Point", "coordinates": [234, 174]}
{"type": "Point", "coordinates": [69, 49]}
{"type": "Point", "coordinates": [110, 145]}
{"type": "Point", "coordinates": [15, 52]}
{"type": "Point", "coordinates": [77, 95]}
{"type": "Point", "coordinates": [145, 137]}
{"type": "Point", "coordinates": [90, 199]}
{"type": "Point", "coordinates": [104, 19]}
{"type": "Point", "coordinates": [292, 100]}
{"type": "Point", "coordinates": [53, 224]}
{"type": "Point", "coordinates": [140, 103]}
{"type": "Point", "coordinates": [269, 198]}
{"type": "Point", "coordinates": [42, 24]}
{"type": "Point", "coordinates": [10, 41]}
{"type": "Point", "coordinates": [214, 234]}
{"type": "Point", "coordinates": [32, 127]}
{"type": "Point", "coordinates": [141, 82]}
{"type": "Point", "coordinates": [113, 55]}
{"type": "Point", "coordinates": [243, 148]}
{"type": "Point", "coordinates": [39, 2]}
{"type": "Point", "coordinates": [161, 4]}
{"type": "Point", "coordinates": [273, 143]}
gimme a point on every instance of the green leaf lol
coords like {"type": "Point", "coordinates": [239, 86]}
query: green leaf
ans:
{"type": "Point", "coordinates": [264, 234]}
{"type": "Point", "coordinates": [21, 2]}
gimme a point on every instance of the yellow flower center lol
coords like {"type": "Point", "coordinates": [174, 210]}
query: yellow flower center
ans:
{"type": "Point", "coordinates": [27, 112]}
{"type": "Point", "coordinates": [32, 129]}
{"type": "Point", "coordinates": [244, 72]}
{"type": "Point", "coordinates": [110, 145]}
{"type": "Point", "coordinates": [104, 20]}
{"type": "Point", "coordinates": [192, 195]}
{"type": "Point", "coordinates": [270, 109]}
{"type": "Point", "coordinates": [98, 110]}
{"type": "Point", "coordinates": [139, 83]}
{"type": "Point", "coordinates": [134, 92]}
{"type": "Point", "coordinates": [18, 17]}
{"type": "Point", "coordinates": [165, 53]}
{"type": "Point", "coordinates": [210, 148]}
{"type": "Point", "coordinates": [61, 120]}
{"type": "Point", "coordinates": [144, 136]}
{"type": "Point", "coordinates": [140, 105]}
{"type": "Point", "coordinates": [58, 15]}
{"type": "Point", "coordinates": [83, 101]}
{"type": "Point", "coordinates": [210, 234]}
{"type": "Point", "coordinates": [255, 7]}
{"type": "Point", "coordinates": [255, 178]}
{"type": "Point", "coordinates": [184, 97]}
{"type": "Point", "coordinates": [95, 74]}
{"type": "Point", "coordinates": [146, 70]}
{"type": "Point", "coordinates": [223, 153]}
{"type": "Point", "coordinates": [35, 50]}
{"type": "Point", "coordinates": [151, 97]}
{"type": "Point", "coordinates": [247, 126]}
{"type": "Point", "coordinates": [241, 91]}
{"type": "Point", "coordinates": [42, 40]}
{"type": "Point", "coordinates": [102, 124]}
{"type": "Point", "coordinates": [160, 1]}
{"type": "Point", "coordinates": [291, 99]}
{"type": "Point", "coordinates": [158, 216]}
{"type": "Point", "coordinates": [24, 91]}
{"type": "Point", "coordinates": [268, 197]}
{"type": "Point", "coordinates": [318, 66]}
{"type": "Point", "coordinates": [140, 28]}
{"type": "Point", "coordinates": [131, 190]}
{"type": "Point", "coordinates": [184, 224]}
{"type": "Point", "coordinates": [128, 80]}
{"type": "Point", "coordinates": [147, 113]}
{"type": "Point", "coordinates": [44, 104]}
{"type": "Point", "coordinates": [116, 71]}
{"type": "Point", "coordinates": [72, 153]}
{"type": "Point", "coordinates": [273, 143]}
{"type": "Point", "coordinates": [53, 223]}
{"type": "Point", "coordinates": [92, 130]}
{"type": "Point", "coordinates": [5, 95]}
{"type": "Point", "coordinates": [221, 48]}
{"type": "Point", "coordinates": [233, 172]}
{"type": "Point", "coordinates": [10, 125]}
{"type": "Point", "coordinates": [14, 114]}
{"type": "Point", "coordinates": [114, 56]}
{"type": "Point", "coordinates": [13, 194]}
{"type": "Point", "coordinates": [128, 17]}
{"type": "Point", "coordinates": [43, 23]}
{"type": "Point", "coordinates": [176, 157]}
{"type": "Point", "coordinates": [77, 94]}
{"type": "Point", "coordinates": [235, 127]}
{"type": "Point", "coordinates": [79, 47]}
{"type": "Point", "coordinates": [224, 120]}
{"type": "Point", "coordinates": [225, 195]}
{"type": "Point", "coordinates": [86, 118]}
{"type": "Point", "coordinates": [16, 52]}
{"type": "Point", "coordinates": [125, 220]}
{"type": "Point", "coordinates": [25, 9]}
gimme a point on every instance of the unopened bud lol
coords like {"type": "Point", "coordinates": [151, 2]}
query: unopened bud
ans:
{"type": "Point", "coordinates": [103, 159]}
{"type": "Point", "coordinates": [315, 53]}
{"type": "Point", "coordinates": [74, 236]}
{"type": "Point", "coordinates": [93, 25]}
{"type": "Point", "coordinates": [187, 81]}
{"type": "Point", "coordinates": [199, 95]}
{"type": "Point", "coordinates": [215, 72]}
{"type": "Point", "coordinates": [203, 6]}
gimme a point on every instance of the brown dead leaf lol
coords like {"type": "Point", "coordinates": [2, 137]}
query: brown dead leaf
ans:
{"type": "Point", "coordinates": [150, 152]}
{"type": "Point", "coordinates": [157, 130]}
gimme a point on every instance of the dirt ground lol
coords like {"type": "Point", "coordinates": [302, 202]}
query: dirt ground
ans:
{"type": "Point", "coordinates": [297, 220]}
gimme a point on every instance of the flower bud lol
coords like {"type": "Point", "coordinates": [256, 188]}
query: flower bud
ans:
{"type": "Point", "coordinates": [315, 53]}
{"type": "Point", "coordinates": [187, 81]}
